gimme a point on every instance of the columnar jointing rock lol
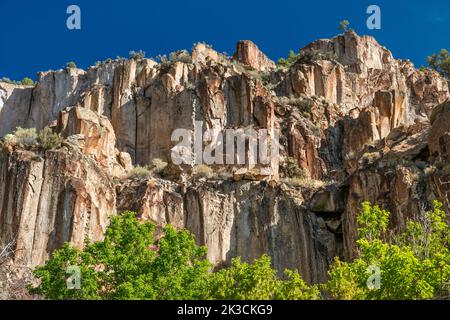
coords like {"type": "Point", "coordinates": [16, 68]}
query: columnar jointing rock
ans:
{"type": "Point", "coordinates": [245, 219]}
{"type": "Point", "coordinates": [347, 111]}
{"type": "Point", "coordinates": [49, 199]}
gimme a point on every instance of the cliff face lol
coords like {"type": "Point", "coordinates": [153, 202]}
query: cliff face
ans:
{"type": "Point", "coordinates": [245, 219]}
{"type": "Point", "coordinates": [49, 199]}
{"type": "Point", "coordinates": [368, 126]}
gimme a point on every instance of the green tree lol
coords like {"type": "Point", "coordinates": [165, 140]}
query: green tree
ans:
{"type": "Point", "coordinates": [27, 81]}
{"type": "Point", "coordinates": [414, 264]}
{"type": "Point", "coordinates": [440, 62]}
{"type": "Point", "coordinates": [71, 65]}
{"type": "Point", "coordinates": [129, 264]}
{"type": "Point", "coordinates": [343, 25]}
{"type": "Point", "coordinates": [243, 281]}
{"type": "Point", "coordinates": [291, 59]}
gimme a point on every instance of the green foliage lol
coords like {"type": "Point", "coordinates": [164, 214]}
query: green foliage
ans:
{"type": "Point", "coordinates": [292, 57]}
{"type": "Point", "coordinates": [8, 80]}
{"type": "Point", "coordinates": [71, 65]}
{"type": "Point", "coordinates": [243, 281]}
{"type": "Point", "coordinates": [343, 25]}
{"type": "Point", "coordinates": [130, 264]}
{"type": "Point", "coordinates": [373, 222]}
{"type": "Point", "coordinates": [414, 264]}
{"type": "Point", "coordinates": [311, 55]}
{"type": "Point", "coordinates": [181, 56]}
{"type": "Point", "coordinates": [158, 165]}
{"type": "Point", "coordinates": [27, 82]}
{"type": "Point", "coordinates": [291, 169]}
{"type": "Point", "coordinates": [49, 140]}
{"type": "Point", "coordinates": [140, 172]}
{"type": "Point", "coordinates": [440, 62]}
{"type": "Point", "coordinates": [137, 55]}
{"type": "Point", "coordinates": [21, 136]}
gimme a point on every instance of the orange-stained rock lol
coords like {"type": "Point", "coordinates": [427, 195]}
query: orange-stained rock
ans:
{"type": "Point", "coordinates": [249, 54]}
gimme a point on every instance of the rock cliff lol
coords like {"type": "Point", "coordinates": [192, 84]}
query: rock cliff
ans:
{"type": "Point", "coordinates": [359, 124]}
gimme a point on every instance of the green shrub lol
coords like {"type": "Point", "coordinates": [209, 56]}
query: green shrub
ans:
{"type": "Point", "coordinates": [139, 172]}
{"type": "Point", "coordinates": [158, 165]}
{"type": "Point", "coordinates": [202, 171]}
{"type": "Point", "coordinates": [291, 169]}
{"type": "Point", "coordinates": [414, 264]}
{"type": "Point", "coordinates": [291, 59]}
{"type": "Point", "coordinates": [24, 137]}
{"type": "Point", "coordinates": [71, 65]}
{"type": "Point", "coordinates": [27, 82]}
{"type": "Point", "coordinates": [309, 56]}
{"type": "Point", "coordinates": [440, 62]}
{"type": "Point", "coordinates": [343, 25]}
{"type": "Point", "coordinates": [139, 55]}
{"type": "Point", "coordinates": [259, 281]}
{"type": "Point", "coordinates": [49, 139]}
{"type": "Point", "coordinates": [181, 56]}
{"type": "Point", "coordinates": [130, 264]}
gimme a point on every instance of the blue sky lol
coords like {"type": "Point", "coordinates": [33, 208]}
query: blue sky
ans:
{"type": "Point", "coordinates": [34, 37]}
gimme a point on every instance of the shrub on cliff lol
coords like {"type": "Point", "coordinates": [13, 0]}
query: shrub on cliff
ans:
{"type": "Point", "coordinates": [71, 65]}
{"type": "Point", "coordinates": [440, 62]}
{"type": "Point", "coordinates": [343, 25]}
{"type": "Point", "coordinates": [291, 58]}
{"type": "Point", "coordinates": [158, 165]}
{"type": "Point", "coordinates": [137, 55]}
{"type": "Point", "coordinates": [180, 56]}
{"type": "Point", "coordinates": [140, 172]}
{"type": "Point", "coordinates": [27, 82]}
{"type": "Point", "coordinates": [202, 171]}
{"type": "Point", "coordinates": [49, 140]}
{"type": "Point", "coordinates": [21, 136]}
{"type": "Point", "coordinates": [414, 264]}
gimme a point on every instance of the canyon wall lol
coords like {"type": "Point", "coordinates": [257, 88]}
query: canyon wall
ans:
{"type": "Point", "coordinates": [361, 126]}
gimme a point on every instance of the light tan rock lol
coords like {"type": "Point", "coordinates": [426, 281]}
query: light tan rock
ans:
{"type": "Point", "coordinates": [249, 54]}
{"type": "Point", "coordinates": [99, 138]}
{"type": "Point", "coordinates": [49, 199]}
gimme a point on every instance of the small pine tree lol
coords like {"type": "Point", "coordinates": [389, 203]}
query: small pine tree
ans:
{"type": "Point", "coordinates": [343, 25]}
{"type": "Point", "coordinates": [440, 62]}
{"type": "Point", "coordinates": [71, 65]}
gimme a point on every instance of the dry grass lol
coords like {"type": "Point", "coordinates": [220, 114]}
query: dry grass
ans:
{"type": "Point", "coordinates": [306, 183]}
{"type": "Point", "coordinates": [202, 171]}
{"type": "Point", "coordinates": [25, 137]}
{"type": "Point", "coordinates": [140, 172]}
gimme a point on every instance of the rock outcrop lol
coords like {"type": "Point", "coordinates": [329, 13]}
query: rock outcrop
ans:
{"type": "Point", "coordinates": [47, 199]}
{"type": "Point", "coordinates": [249, 55]}
{"type": "Point", "coordinates": [245, 219]}
{"type": "Point", "coordinates": [370, 127]}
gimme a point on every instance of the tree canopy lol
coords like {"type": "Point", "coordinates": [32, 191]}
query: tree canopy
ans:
{"type": "Point", "coordinates": [130, 264]}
